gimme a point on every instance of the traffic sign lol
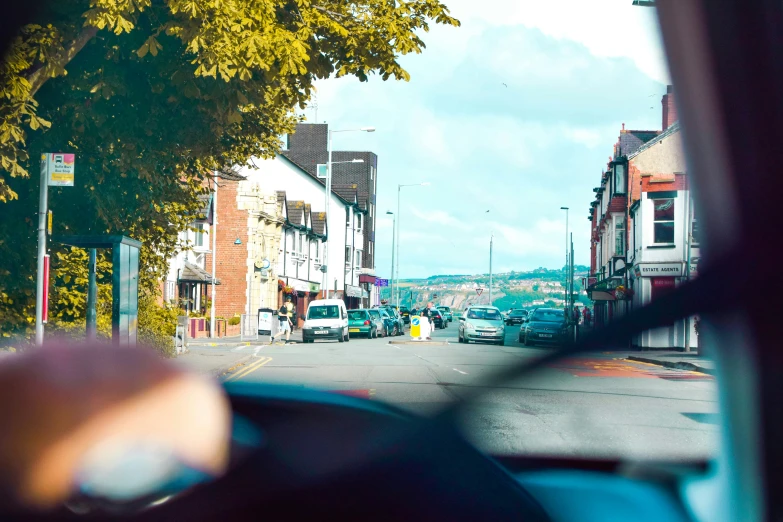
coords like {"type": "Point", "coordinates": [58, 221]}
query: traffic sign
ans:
{"type": "Point", "coordinates": [381, 282]}
{"type": "Point", "coordinates": [479, 290]}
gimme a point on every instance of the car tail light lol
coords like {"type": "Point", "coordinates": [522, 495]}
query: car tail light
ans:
{"type": "Point", "coordinates": [367, 323]}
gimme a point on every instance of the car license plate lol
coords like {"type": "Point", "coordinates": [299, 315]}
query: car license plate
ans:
{"type": "Point", "coordinates": [320, 332]}
{"type": "Point", "coordinates": [353, 329]}
{"type": "Point", "coordinates": [487, 334]}
{"type": "Point", "coordinates": [545, 335]}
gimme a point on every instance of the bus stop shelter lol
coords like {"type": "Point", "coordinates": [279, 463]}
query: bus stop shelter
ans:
{"type": "Point", "coordinates": [124, 284]}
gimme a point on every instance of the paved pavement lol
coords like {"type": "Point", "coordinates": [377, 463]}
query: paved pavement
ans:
{"type": "Point", "coordinates": [676, 360]}
{"type": "Point", "coordinates": [601, 404]}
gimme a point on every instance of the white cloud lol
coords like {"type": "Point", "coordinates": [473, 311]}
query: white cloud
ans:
{"type": "Point", "coordinates": [608, 28]}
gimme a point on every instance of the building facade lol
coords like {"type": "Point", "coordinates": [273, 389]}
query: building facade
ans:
{"type": "Point", "coordinates": [644, 231]}
{"type": "Point", "coordinates": [308, 148]}
{"type": "Point", "coordinates": [344, 235]}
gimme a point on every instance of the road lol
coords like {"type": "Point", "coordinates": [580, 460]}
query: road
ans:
{"type": "Point", "coordinates": [600, 405]}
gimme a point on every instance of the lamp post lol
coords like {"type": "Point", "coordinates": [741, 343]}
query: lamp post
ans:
{"type": "Point", "coordinates": [213, 231]}
{"type": "Point", "coordinates": [394, 231]}
{"type": "Point", "coordinates": [491, 238]}
{"type": "Point", "coordinates": [327, 192]}
{"type": "Point", "coordinates": [397, 271]}
{"type": "Point", "coordinates": [567, 293]}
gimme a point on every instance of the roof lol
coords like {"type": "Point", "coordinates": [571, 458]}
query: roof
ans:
{"type": "Point", "coordinates": [674, 128]}
{"type": "Point", "coordinates": [630, 140]}
{"type": "Point", "coordinates": [194, 274]}
{"type": "Point", "coordinates": [230, 175]}
{"type": "Point", "coordinates": [296, 210]}
{"type": "Point", "coordinates": [205, 208]}
{"type": "Point", "coordinates": [319, 223]}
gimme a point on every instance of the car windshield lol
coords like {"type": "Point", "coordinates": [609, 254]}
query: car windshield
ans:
{"type": "Point", "coordinates": [181, 171]}
{"type": "Point", "coordinates": [323, 312]}
{"type": "Point", "coordinates": [487, 314]}
{"type": "Point", "coordinates": [550, 316]}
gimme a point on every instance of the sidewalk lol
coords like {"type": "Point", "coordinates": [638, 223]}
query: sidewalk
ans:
{"type": "Point", "coordinates": [236, 340]}
{"type": "Point", "coordinates": [676, 360]}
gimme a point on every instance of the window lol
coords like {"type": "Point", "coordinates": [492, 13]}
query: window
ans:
{"type": "Point", "coordinates": [694, 226]}
{"type": "Point", "coordinates": [619, 236]}
{"type": "Point", "coordinates": [663, 218]}
{"type": "Point", "coordinates": [347, 256]}
{"type": "Point", "coordinates": [315, 250]}
{"type": "Point", "coordinates": [301, 243]}
{"type": "Point", "coordinates": [372, 172]}
{"type": "Point", "coordinates": [358, 258]}
{"type": "Point", "coordinates": [358, 221]}
{"type": "Point", "coordinates": [289, 241]}
{"type": "Point", "coordinates": [199, 239]}
{"type": "Point", "coordinates": [619, 178]}
{"type": "Point", "coordinates": [347, 217]}
{"type": "Point", "coordinates": [371, 208]}
{"type": "Point", "coordinates": [371, 248]}
{"type": "Point", "coordinates": [323, 312]}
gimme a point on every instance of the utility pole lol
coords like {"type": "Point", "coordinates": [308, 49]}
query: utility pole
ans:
{"type": "Point", "coordinates": [491, 237]}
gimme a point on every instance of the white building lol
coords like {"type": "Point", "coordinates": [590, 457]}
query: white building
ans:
{"type": "Point", "coordinates": [344, 224]}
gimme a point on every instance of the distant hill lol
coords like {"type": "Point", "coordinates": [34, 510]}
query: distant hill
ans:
{"type": "Point", "coordinates": [524, 289]}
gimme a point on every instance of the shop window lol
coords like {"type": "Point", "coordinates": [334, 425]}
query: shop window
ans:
{"type": "Point", "coordinates": [663, 218]}
{"type": "Point", "coordinates": [660, 286]}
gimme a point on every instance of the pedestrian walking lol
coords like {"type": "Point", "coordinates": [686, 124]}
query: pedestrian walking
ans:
{"type": "Point", "coordinates": [284, 318]}
{"type": "Point", "coordinates": [427, 312]}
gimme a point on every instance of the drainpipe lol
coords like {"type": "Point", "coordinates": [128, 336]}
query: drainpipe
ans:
{"type": "Point", "coordinates": [687, 241]}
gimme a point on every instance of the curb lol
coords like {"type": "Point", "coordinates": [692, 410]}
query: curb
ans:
{"type": "Point", "coordinates": [673, 365]}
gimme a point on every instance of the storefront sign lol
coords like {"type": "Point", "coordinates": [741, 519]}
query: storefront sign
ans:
{"type": "Point", "coordinates": [661, 269]}
{"type": "Point", "coordinates": [353, 291]}
{"type": "Point", "coordinates": [299, 286]}
{"type": "Point", "coordinates": [315, 287]}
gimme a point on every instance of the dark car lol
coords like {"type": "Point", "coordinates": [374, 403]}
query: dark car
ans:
{"type": "Point", "coordinates": [406, 314]}
{"type": "Point", "coordinates": [396, 317]}
{"type": "Point", "coordinates": [516, 317]}
{"type": "Point", "coordinates": [544, 326]}
{"type": "Point", "coordinates": [438, 319]}
{"type": "Point", "coordinates": [446, 311]}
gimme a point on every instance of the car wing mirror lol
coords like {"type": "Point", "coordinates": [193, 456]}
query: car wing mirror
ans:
{"type": "Point", "coordinates": [461, 318]}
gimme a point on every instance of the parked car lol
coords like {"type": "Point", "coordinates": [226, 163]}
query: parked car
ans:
{"type": "Point", "coordinates": [397, 318]}
{"type": "Point", "coordinates": [326, 319]}
{"type": "Point", "coordinates": [516, 317]}
{"type": "Point", "coordinates": [544, 326]}
{"type": "Point", "coordinates": [405, 313]}
{"type": "Point", "coordinates": [438, 319]}
{"type": "Point", "coordinates": [382, 328]}
{"type": "Point", "coordinates": [360, 323]}
{"type": "Point", "coordinates": [390, 322]}
{"type": "Point", "coordinates": [446, 311]}
{"type": "Point", "coordinates": [482, 323]}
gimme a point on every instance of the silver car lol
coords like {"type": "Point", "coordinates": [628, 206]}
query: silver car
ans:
{"type": "Point", "coordinates": [482, 323]}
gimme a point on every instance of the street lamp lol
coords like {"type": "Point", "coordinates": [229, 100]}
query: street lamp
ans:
{"type": "Point", "coordinates": [397, 271]}
{"type": "Point", "coordinates": [327, 193]}
{"type": "Point", "coordinates": [566, 263]}
{"type": "Point", "coordinates": [394, 230]}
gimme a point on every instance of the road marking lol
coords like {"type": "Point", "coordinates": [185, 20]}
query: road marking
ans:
{"type": "Point", "coordinates": [460, 371]}
{"type": "Point", "coordinates": [250, 369]}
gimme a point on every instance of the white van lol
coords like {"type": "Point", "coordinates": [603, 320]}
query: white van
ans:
{"type": "Point", "coordinates": [326, 319]}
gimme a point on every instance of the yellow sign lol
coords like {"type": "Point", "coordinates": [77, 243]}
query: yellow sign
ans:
{"type": "Point", "coordinates": [415, 326]}
{"type": "Point", "coordinates": [49, 225]}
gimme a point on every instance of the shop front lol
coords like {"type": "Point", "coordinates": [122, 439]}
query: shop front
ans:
{"type": "Point", "coordinates": [354, 296]}
{"type": "Point", "coordinates": [301, 293]}
{"type": "Point", "coordinates": [651, 281]}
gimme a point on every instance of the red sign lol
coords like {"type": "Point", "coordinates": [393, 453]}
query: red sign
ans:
{"type": "Point", "coordinates": [660, 286]}
{"type": "Point", "coordinates": [45, 312]}
{"type": "Point", "coordinates": [479, 290]}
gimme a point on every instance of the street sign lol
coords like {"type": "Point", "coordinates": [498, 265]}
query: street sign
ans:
{"type": "Point", "coordinates": [381, 282]}
{"type": "Point", "coordinates": [479, 290]}
{"type": "Point", "coordinates": [49, 224]}
{"type": "Point", "coordinates": [320, 171]}
{"type": "Point", "coordinates": [59, 168]}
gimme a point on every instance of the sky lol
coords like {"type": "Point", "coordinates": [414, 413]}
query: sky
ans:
{"type": "Point", "coordinates": [508, 117]}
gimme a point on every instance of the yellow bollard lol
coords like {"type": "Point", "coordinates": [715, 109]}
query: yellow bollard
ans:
{"type": "Point", "coordinates": [415, 326]}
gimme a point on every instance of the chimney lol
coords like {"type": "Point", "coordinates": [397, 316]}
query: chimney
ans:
{"type": "Point", "coordinates": [669, 109]}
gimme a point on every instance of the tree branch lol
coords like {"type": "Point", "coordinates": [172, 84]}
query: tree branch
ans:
{"type": "Point", "coordinates": [39, 76]}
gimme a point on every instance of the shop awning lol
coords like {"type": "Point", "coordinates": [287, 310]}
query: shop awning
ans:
{"type": "Point", "coordinates": [366, 278]}
{"type": "Point", "coordinates": [194, 274]}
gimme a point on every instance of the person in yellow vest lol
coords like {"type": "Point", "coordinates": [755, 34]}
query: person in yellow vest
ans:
{"type": "Point", "coordinates": [284, 316]}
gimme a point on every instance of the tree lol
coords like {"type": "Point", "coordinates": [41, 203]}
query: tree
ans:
{"type": "Point", "coordinates": [154, 96]}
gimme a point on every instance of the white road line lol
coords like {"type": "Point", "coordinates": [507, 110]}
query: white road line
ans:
{"type": "Point", "coordinates": [460, 371]}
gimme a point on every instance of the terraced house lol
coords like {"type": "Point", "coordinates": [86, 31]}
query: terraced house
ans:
{"type": "Point", "coordinates": [644, 229]}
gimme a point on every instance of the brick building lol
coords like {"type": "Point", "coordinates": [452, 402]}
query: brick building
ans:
{"type": "Point", "coordinates": [644, 232]}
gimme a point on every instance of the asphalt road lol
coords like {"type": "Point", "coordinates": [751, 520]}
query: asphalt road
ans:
{"type": "Point", "coordinates": [600, 405]}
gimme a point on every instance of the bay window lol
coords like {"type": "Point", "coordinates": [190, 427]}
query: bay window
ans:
{"type": "Point", "coordinates": [663, 220]}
